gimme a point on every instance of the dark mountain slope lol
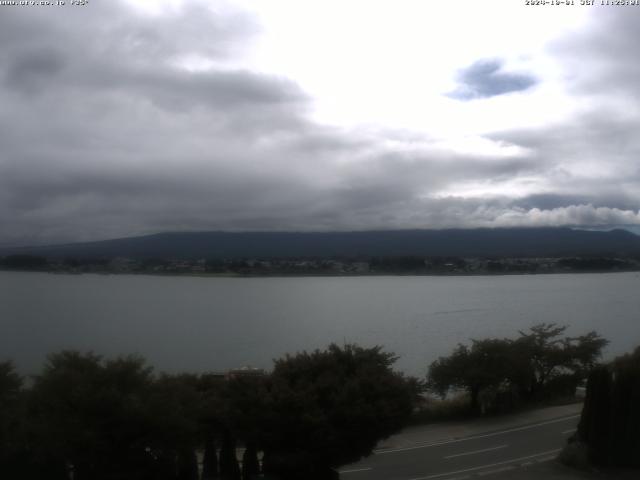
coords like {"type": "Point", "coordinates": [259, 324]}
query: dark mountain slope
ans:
{"type": "Point", "coordinates": [516, 242]}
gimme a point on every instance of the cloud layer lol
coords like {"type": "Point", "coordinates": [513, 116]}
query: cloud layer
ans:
{"type": "Point", "coordinates": [115, 123]}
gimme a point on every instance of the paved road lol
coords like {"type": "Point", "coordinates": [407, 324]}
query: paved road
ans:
{"type": "Point", "coordinates": [481, 454]}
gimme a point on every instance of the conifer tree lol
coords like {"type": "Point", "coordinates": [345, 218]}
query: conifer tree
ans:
{"type": "Point", "coordinates": [250, 464]}
{"type": "Point", "coordinates": [210, 461]}
{"type": "Point", "coordinates": [187, 464]}
{"type": "Point", "coordinates": [229, 468]}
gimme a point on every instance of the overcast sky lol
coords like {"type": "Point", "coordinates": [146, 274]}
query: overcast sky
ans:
{"type": "Point", "coordinates": [130, 117]}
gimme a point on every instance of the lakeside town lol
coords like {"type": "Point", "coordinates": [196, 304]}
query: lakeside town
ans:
{"type": "Point", "coordinates": [339, 266]}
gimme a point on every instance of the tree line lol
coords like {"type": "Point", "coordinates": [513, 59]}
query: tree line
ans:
{"type": "Point", "coordinates": [498, 374]}
{"type": "Point", "coordinates": [609, 430]}
{"type": "Point", "coordinates": [90, 418]}
{"type": "Point", "coordinates": [87, 417]}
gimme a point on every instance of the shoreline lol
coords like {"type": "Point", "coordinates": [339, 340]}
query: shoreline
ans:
{"type": "Point", "coordinates": [323, 275]}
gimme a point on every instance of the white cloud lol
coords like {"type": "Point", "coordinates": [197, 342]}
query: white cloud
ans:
{"type": "Point", "coordinates": [391, 63]}
{"type": "Point", "coordinates": [574, 215]}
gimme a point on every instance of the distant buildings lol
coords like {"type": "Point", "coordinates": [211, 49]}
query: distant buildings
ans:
{"type": "Point", "coordinates": [245, 372]}
{"type": "Point", "coordinates": [392, 265]}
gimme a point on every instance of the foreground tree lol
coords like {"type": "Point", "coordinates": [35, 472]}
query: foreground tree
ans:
{"type": "Point", "coordinates": [610, 423]}
{"type": "Point", "coordinates": [250, 463]}
{"type": "Point", "coordinates": [540, 364]}
{"type": "Point", "coordinates": [92, 415]}
{"type": "Point", "coordinates": [11, 421]}
{"type": "Point", "coordinates": [328, 408]}
{"type": "Point", "coordinates": [229, 468]}
{"type": "Point", "coordinates": [551, 359]}
{"type": "Point", "coordinates": [98, 419]}
{"type": "Point", "coordinates": [245, 408]}
{"type": "Point", "coordinates": [209, 461]}
{"type": "Point", "coordinates": [485, 364]}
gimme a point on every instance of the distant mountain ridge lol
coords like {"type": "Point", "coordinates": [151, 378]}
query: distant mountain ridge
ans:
{"type": "Point", "coordinates": [499, 242]}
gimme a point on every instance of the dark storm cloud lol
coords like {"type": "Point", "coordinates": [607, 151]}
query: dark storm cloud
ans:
{"type": "Point", "coordinates": [174, 91]}
{"type": "Point", "coordinates": [30, 71]}
{"type": "Point", "coordinates": [592, 159]}
{"type": "Point", "coordinates": [485, 78]}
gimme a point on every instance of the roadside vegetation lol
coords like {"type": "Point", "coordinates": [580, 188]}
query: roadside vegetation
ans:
{"type": "Point", "coordinates": [608, 432]}
{"type": "Point", "coordinates": [90, 418]}
{"type": "Point", "coordinates": [541, 365]}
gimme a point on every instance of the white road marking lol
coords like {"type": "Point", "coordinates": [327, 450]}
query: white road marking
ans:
{"type": "Point", "coordinates": [496, 470]}
{"type": "Point", "coordinates": [354, 470]}
{"type": "Point", "coordinates": [476, 451]}
{"type": "Point", "coordinates": [571, 430]}
{"type": "Point", "coordinates": [482, 467]}
{"type": "Point", "coordinates": [486, 435]}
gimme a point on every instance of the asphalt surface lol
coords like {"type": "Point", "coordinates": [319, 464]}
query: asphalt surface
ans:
{"type": "Point", "coordinates": [493, 452]}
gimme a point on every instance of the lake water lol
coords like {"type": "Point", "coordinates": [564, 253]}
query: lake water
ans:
{"type": "Point", "coordinates": [200, 324]}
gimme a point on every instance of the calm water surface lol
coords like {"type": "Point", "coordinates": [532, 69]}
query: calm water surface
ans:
{"type": "Point", "coordinates": [199, 324]}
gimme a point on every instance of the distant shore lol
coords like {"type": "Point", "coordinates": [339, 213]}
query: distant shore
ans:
{"type": "Point", "coordinates": [324, 266]}
{"type": "Point", "coordinates": [320, 275]}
